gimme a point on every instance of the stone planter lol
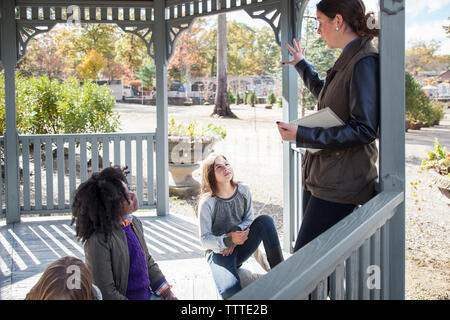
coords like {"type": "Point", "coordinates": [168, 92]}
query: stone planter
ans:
{"type": "Point", "coordinates": [185, 155]}
{"type": "Point", "coordinates": [441, 182]}
{"type": "Point", "coordinates": [407, 125]}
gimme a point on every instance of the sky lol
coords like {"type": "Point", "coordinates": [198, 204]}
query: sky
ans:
{"type": "Point", "coordinates": [424, 20]}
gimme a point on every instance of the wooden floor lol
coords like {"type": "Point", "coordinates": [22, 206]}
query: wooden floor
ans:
{"type": "Point", "coordinates": [27, 248]}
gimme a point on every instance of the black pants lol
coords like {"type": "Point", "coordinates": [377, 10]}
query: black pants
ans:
{"type": "Point", "coordinates": [318, 216]}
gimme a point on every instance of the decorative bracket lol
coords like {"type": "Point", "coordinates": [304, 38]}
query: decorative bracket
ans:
{"type": "Point", "coordinates": [173, 33]}
{"type": "Point", "coordinates": [271, 15]}
{"type": "Point", "coordinates": [27, 32]}
{"type": "Point", "coordinates": [144, 33]}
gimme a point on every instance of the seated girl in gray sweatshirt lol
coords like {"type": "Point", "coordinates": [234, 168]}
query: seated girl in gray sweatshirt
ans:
{"type": "Point", "coordinates": [229, 232]}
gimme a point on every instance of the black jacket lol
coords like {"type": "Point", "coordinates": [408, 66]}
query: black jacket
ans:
{"type": "Point", "coordinates": [362, 127]}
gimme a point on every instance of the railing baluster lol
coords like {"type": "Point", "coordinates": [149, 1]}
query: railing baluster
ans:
{"type": "Point", "coordinates": [375, 262]}
{"type": "Point", "coordinates": [351, 277]}
{"type": "Point", "coordinates": [83, 14]}
{"type": "Point", "coordinates": [137, 14]}
{"type": "Point", "coordinates": [94, 155]}
{"type": "Point", "coordinates": [37, 174]}
{"type": "Point", "coordinates": [233, 3]}
{"type": "Point", "coordinates": [128, 156]}
{"type": "Point", "coordinates": [187, 9]}
{"type": "Point", "coordinates": [213, 5]}
{"type": "Point", "coordinates": [117, 151]}
{"type": "Point", "coordinates": [150, 198]}
{"type": "Point", "coordinates": [92, 14]}
{"type": "Point", "coordinates": [61, 170]}
{"type": "Point", "coordinates": [26, 173]}
{"type": "Point", "coordinates": [46, 13]}
{"type": "Point", "coordinates": [72, 169]}
{"type": "Point", "coordinates": [364, 258]}
{"type": "Point", "coordinates": [196, 7]}
{"type": "Point", "coordinates": [49, 172]}
{"type": "Point", "coordinates": [337, 283]}
{"type": "Point", "coordinates": [83, 160]}
{"type": "Point", "coordinates": [204, 6]}
{"type": "Point", "coordinates": [115, 14]}
{"type": "Point", "coordinates": [139, 173]}
{"type": "Point", "coordinates": [34, 13]}
{"type": "Point", "coordinates": [105, 161]}
{"type": "Point", "coordinates": [23, 13]}
{"type": "Point", "coordinates": [384, 261]}
{"type": "Point", "coordinates": [126, 14]}
{"type": "Point", "coordinates": [322, 290]}
{"type": "Point", "coordinates": [58, 13]}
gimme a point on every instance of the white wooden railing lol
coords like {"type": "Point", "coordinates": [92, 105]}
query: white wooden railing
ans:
{"type": "Point", "coordinates": [48, 186]}
{"type": "Point", "coordinates": [350, 261]}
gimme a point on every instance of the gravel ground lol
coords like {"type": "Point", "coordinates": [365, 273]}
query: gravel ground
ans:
{"type": "Point", "coordinates": [254, 149]}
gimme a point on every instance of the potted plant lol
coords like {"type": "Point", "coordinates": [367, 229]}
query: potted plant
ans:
{"type": "Point", "coordinates": [438, 165]}
{"type": "Point", "coordinates": [189, 144]}
{"type": "Point", "coordinates": [271, 100]}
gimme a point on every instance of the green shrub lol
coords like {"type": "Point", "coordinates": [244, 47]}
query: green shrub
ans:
{"type": "Point", "coordinates": [251, 98]}
{"type": "Point", "coordinates": [417, 103]}
{"type": "Point", "coordinates": [47, 106]}
{"type": "Point", "coordinates": [271, 99]}
{"type": "Point", "coordinates": [437, 111]}
{"type": "Point", "coordinates": [238, 98]}
{"type": "Point", "coordinates": [280, 102]}
{"type": "Point", "coordinates": [231, 98]}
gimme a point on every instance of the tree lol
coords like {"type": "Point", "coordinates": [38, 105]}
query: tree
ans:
{"type": "Point", "coordinates": [147, 73]}
{"type": "Point", "coordinates": [421, 56]}
{"type": "Point", "coordinates": [222, 107]}
{"type": "Point", "coordinates": [91, 65]}
{"type": "Point", "coordinates": [42, 59]}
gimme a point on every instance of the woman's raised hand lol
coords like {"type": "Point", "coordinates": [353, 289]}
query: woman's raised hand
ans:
{"type": "Point", "coordinates": [297, 52]}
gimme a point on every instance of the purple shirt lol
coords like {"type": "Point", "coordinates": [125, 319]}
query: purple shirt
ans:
{"type": "Point", "coordinates": [138, 282]}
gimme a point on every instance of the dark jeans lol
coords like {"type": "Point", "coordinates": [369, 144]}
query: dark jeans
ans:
{"type": "Point", "coordinates": [224, 268]}
{"type": "Point", "coordinates": [318, 216]}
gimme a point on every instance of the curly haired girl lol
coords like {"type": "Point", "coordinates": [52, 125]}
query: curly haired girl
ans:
{"type": "Point", "coordinates": [114, 245]}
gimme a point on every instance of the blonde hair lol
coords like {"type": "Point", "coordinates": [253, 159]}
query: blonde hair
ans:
{"type": "Point", "coordinates": [53, 284]}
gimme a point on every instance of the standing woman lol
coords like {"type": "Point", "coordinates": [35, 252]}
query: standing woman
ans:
{"type": "Point", "coordinates": [343, 174]}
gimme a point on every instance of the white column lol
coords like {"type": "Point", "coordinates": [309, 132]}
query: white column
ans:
{"type": "Point", "coordinates": [9, 61]}
{"type": "Point", "coordinates": [392, 141]}
{"type": "Point", "coordinates": [290, 112]}
{"type": "Point", "coordinates": [162, 166]}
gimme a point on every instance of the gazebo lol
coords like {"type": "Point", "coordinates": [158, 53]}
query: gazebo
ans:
{"type": "Point", "coordinates": [363, 256]}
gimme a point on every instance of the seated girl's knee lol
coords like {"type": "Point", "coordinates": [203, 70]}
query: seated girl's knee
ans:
{"type": "Point", "coordinates": [264, 219]}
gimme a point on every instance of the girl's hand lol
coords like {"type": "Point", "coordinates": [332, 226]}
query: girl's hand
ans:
{"type": "Point", "coordinates": [168, 295]}
{"type": "Point", "coordinates": [297, 52]}
{"type": "Point", "coordinates": [239, 237]}
{"type": "Point", "coordinates": [228, 251]}
{"type": "Point", "coordinates": [287, 131]}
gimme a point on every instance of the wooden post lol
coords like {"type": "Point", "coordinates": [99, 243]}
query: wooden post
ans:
{"type": "Point", "coordinates": [162, 145]}
{"type": "Point", "coordinates": [392, 141]}
{"type": "Point", "coordinates": [290, 112]}
{"type": "Point", "coordinates": [9, 61]}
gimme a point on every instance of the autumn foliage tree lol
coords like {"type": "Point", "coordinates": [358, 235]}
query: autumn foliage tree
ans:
{"type": "Point", "coordinates": [91, 66]}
